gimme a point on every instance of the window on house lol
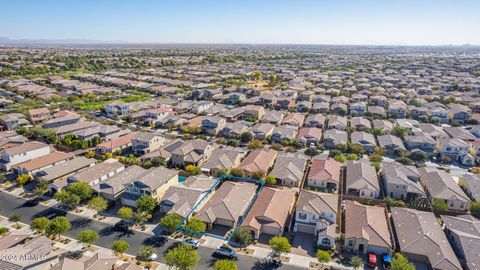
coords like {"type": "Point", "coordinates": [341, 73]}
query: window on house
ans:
{"type": "Point", "coordinates": [326, 242]}
{"type": "Point", "coordinates": [302, 216]}
{"type": "Point", "coordinates": [350, 243]}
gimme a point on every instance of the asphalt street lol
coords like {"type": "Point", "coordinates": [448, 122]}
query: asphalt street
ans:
{"type": "Point", "coordinates": [10, 204]}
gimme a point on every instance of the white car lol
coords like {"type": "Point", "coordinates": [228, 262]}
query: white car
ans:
{"type": "Point", "coordinates": [194, 243]}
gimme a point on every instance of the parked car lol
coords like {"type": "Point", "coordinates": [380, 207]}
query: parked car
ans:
{"type": "Point", "coordinates": [226, 251]}
{"type": "Point", "coordinates": [372, 259]}
{"type": "Point", "coordinates": [194, 243]}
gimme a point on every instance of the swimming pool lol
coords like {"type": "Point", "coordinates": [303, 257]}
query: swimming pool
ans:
{"type": "Point", "coordinates": [181, 178]}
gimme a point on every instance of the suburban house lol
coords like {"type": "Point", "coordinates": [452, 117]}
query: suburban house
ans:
{"type": "Point", "coordinates": [146, 142]}
{"type": "Point", "coordinates": [116, 144]}
{"type": "Point", "coordinates": [273, 117]}
{"type": "Point", "coordinates": [366, 229]}
{"type": "Point", "coordinates": [193, 152]}
{"type": "Point", "coordinates": [181, 199]}
{"type": "Point", "coordinates": [35, 165]}
{"type": "Point", "coordinates": [333, 137]}
{"type": "Point", "coordinates": [315, 120]}
{"type": "Point", "coordinates": [228, 204]}
{"type": "Point", "coordinates": [464, 235]}
{"type": "Point", "coordinates": [284, 133]}
{"type": "Point", "coordinates": [421, 142]}
{"type": "Point", "coordinates": [324, 174]}
{"type": "Point", "coordinates": [421, 238]}
{"type": "Point", "coordinates": [39, 115]}
{"type": "Point", "coordinates": [309, 136]}
{"type": "Point", "coordinates": [294, 119]}
{"type": "Point", "coordinates": [99, 172]}
{"type": "Point", "coordinates": [402, 182]}
{"type": "Point", "coordinates": [262, 130]}
{"type": "Point", "coordinates": [471, 185]}
{"type": "Point", "coordinates": [253, 112]}
{"type": "Point", "coordinates": [224, 159]}
{"type": "Point", "coordinates": [212, 125]}
{"type": "Point", "coordinates": [23, 152]}
{"type": "Point", "coordinates": [364, 139]}
{"type": "Point", "coordinates": [152, 182]}
{"type": "Point", "coordinates": [270, 212]}
{"type": "Point", "coordinates": [337, 122]}
{"type": "Point", "coordinates": [441, 185]}
{"type": "Point", "coordinates": [458, 150]}
{"type": "Point", "coordinates": [22, 253]}
{"type": "Point", "coordinates": [289, 169]}
{"type": "Point", "coordinates": [201, 106]}
{"type": "Point", "coordinates": [391, 144]}
{"type": "Point", "coordinates": [361, 179]}
{"type": "Point", "coordinates": [56, 175]}
{"type": "Point", "coordinates": [112, 187]}
{"type": "Point", "coordinates": [316, 214]}
{"type": "Point", "coordinates": [115, 109]}
{"type": "Point", "coordinates": [13, 121]}
{"type": "Point", "coordinates": [260, 160]}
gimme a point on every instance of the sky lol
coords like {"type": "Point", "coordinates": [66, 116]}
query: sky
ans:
{"type": "Point", "coordinates": [350, 22]}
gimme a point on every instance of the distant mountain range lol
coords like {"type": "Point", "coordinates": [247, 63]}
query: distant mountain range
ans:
{"type": "Point", "coordinates": [8, 41]}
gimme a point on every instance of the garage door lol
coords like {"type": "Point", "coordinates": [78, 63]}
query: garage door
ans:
{"type": "Point", "coordinates": [224, 222]}
{"type": "Point", "coordinates": [270, 230]}
{"type": "Point", "coordinates": [306, 229]}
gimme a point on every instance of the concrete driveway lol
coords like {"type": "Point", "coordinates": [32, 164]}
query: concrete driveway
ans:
{"type": "Point", "coordinates": [303, 244]}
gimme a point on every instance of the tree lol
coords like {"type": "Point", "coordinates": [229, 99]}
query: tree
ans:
{"type": "Point", "coordinates": [90, 154]}
{"type": "Point", "coordinates": [87, 237]}
{"type": "Point", "coordinates": [279, 245]}
{"type": "Point", "coordinates": [191, 169]}
{"type": "Point", "coordinates": [98, 204]}
{"type": "Point", "coordinates": [254, 144]}
{"type": "Point", "coordinates": [222, 172]}
{"type": "Point", "coordinates": [323, 256]}
{"type": "Point", "coordinates": [399, 132]}
{"type": "Point", "coordinates": [339, 158]}
{"type": "Point", "coordinates": [246, 137]}
{"type": "Point", "coordinates": [404, 160]}
{"type": "Point", "coordinates": [125, 213]}
{"type": "Point", "coordinates": [311, 152]}
{"type": "Point", "coordinates": [41, 188]}
{"type": "Point", "coordinates": [146, 204]}
{"type": "Point", "coordinates": [399, 262]}
{"type": "Point", "coordinates": [196, 224]}
{"type": "Point", "coordinates": [378, 131]}
{"type": "Point", "coordinates": [270, 180]}
{"type": "Point", "coordinates": [243, 236]}
{"type": "Point", "coordinates": [352, 157]}
{"type": "Point", "coordinates": [171, 221]}
{"type": "Point", "coordinates": [67, 198]}
{"type": "Point", "coordinates": [15, 218]}
{"type": "Point", "coordinates": [475, 209]}
{"type": "Point", "coordinates": [224, 264]}
{"type": "Point", "coordinates": [145, 252]}
{"type": "Point", "coordinates": [183, 257]}
{"type": "Point", "coordinates": [238, 172]}
{"type": "Point", "coordinates": [375, 158]}
{"type": "Point", "coordinates": [58, 225]}
{"type": "Point", "coordinates": [356, 149]}
{"type": "Point", "coordinates": [439, 205]}
{"type": "Point", "coordinates": [120, 246]}
{"type": "Point", "coordinates": [82, 190]}
{"type": "Point", "coordinates": [141, 217]}
{"type": "Point", "coordinates": [356, 262]}
{"type": "Point", "coordinates": [23, 179]}
{"type": "Point", "coordinates": [40, 224]}
{"type": "Point", "coordinates": [418, 156]}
